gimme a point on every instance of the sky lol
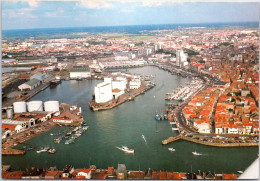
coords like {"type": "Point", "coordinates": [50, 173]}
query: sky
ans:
{"type": "Point", "coordinates": [83, 13]}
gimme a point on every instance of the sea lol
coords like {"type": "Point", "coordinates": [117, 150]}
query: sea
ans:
{"type": "Point", "coordinates": [73, 32]}
{"type": "Point", "coordinates": [124, 125]}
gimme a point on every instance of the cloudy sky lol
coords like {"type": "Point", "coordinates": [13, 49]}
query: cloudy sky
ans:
{"type": "Point", "coordinates": [81, 13]}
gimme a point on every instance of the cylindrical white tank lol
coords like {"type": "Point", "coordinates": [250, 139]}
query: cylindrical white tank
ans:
{"type": "Point", "coordinates": [19, 107]}
{"type": "Point", "coordinates": [34, 106]}
{"type": "Point", "coordinates": [9, 112]}
{"type": "Point", "coordinates": [51, 106]}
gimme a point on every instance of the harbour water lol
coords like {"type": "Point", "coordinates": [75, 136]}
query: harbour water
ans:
{"type": "Point", "coordinates": [124, 126]}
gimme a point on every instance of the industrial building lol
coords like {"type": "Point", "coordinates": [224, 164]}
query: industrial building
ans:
{"type": "Point", "coordinates": [103, 91]}
{"type": "Point", "coordinates": [135, 83]}
{"type": "Point", "coordinates": [31, 84]}
{"type": "Point", "coordinates": [41, 77]}
{"type": "Point", "coordinates": [80, 72]}
{"type": "Point", "coordinates": [110, 89]}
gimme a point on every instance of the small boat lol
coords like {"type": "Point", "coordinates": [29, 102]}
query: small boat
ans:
{"type": "Point", "coordinates": [158, 117]}
{"type": "Point", "coordinates": [171, 149]}
{"type": "Point", "coordinates": [144, 138]}
{"type": "Point", "coordinates": [43, 150]}
{"type": "Point", "coordinates": [79, 79]}
{"type": "Point", "coordinates": [127, 150]}
{"type": "Point", "coordinates": [85, 127]}
{"type": "Point", "coordinates": [196, 153]}
{"type": "Point", "coordinates": [240, 172]}
{"type": "Point", "coordinates": [29, 149]}
{"type": "Point", "coordinates": [51, 134]}
{"type": "Point", "coordinates": [52, 151]}
{"type": "Point", "coordinates": [131, 98]}
{"type": "Point", "coordinates": [57, 141]}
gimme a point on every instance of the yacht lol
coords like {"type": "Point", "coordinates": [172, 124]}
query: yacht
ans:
{"type": "Point", "coordinates": [171, 149]}
{"type": "Point", "coordinates": [196, 153]}
{"type": "Point", "coordinates": [127, 150]}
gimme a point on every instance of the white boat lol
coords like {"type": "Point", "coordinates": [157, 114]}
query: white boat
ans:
{"type": "Point", "coordinates": [43, 150]}
{"type": "Point", "coordinates": [196, 153]}
{"type": "Point", "coordinates": [85, 127]}
{"type": "Point", "coordinates": [143, 138]}
{"type": "Point", "coordinates": [171, 149]}
{"type": "Point", "coordinates": [51, 134]}
{"type": "Point", "coordinates": [240, 172]}
{"type": "Point", "coordinates": [127, 150]}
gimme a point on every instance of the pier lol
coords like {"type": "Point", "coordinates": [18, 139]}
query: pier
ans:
{"type": "Point", "coordinates": [121, 99]}
{"type": "Point", "coordinates": [10, 151]}
{"type": "Point", "coordinates": [207, 143]}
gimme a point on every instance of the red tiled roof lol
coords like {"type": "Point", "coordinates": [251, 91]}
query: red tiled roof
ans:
{"type": "Point", "coordinates": [85, 170]}
{"type": "Point", "coordinates": [11, 127]}
{"type": "Point", "coordinates": [116, 90]}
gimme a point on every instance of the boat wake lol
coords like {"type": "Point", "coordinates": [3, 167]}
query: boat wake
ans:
{"type": "Point", "coordinates": [144, 139]}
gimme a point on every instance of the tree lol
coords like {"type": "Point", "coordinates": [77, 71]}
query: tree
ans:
{"type": "Point", "coordinates": [229, 94]}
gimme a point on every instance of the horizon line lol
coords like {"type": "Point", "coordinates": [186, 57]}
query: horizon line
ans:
{"type": "Point", "coordinates": [136, 25]}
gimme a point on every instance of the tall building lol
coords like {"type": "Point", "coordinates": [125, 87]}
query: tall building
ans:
{"type": "Point", "coordinates": [181, 58]}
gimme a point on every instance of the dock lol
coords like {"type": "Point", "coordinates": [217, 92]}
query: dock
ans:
{"type": "Point", "coordinates": [207, 143]}
{"type": "Point", "coordinates": [121, 99]}
{"type": "Point", "coordinates": [10, 151]}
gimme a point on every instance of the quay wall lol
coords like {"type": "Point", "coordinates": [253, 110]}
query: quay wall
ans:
{"type": "Point", "coordinates": [172, 139]}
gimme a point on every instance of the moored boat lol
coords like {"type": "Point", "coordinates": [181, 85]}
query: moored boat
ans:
{"type": "Point", "coordinates": [52, 151]}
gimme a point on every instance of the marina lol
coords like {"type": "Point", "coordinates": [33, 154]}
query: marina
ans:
{"type": "Point", "coordinates": [125, 125]}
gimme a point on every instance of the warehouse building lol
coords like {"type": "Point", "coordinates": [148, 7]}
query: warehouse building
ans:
{"type": "Point", "coordinates": [80, 72]}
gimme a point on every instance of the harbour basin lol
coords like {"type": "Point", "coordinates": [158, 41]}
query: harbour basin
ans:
{"type": "Point", "coordinates": [124, 125]}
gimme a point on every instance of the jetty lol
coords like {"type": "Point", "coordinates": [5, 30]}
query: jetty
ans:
{"type": "Point", "coordinates": [121, 99]}
{"type": "Point", "coordinates": [10, 151]}
{"type": "Point", "coordinates": [207, 143]}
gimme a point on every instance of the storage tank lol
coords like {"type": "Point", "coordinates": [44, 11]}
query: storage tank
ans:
{"type": "Point", "coordinates": [9, 112]}
{"type": "Point", "coordinates": [19, 107]}
{"type": "Point", "coordinates": [34, 106]}
{"type": "Point", "coordinates": [51, 106]}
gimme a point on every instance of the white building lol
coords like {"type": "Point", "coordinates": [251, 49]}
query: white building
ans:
{"type": "Point", "coordinates": [203, 127]}
{"type": "Point", "coordinates": [80, 72]}
{"type": "Point", "coordinates": [135, 83]}
{"type": "Point", "coordinates": [181, 58]}
{"type": "Point", "coordinates": [119, 84]}
{"type": "Point", "coordinates": [103, 91]}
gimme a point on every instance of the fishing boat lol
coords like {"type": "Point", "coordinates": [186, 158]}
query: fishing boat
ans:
{"type": "Point", "coordinates": [196, 153]}
{"type": "Point", "coordinates": [85, 127]}
{"type": "Point", "coordinates": [52, 151]}
{"type": "Point", "coordinates": [171, 149]}
{"type": "Point", "coordinates": [29, 149]}
{"type": "Point", "coordinates": [57, 141]}
{"type": "Point", "coordinates": [43, 150]}
{"type": "Point", "coordinates": [127, 150]}
{"type": "Point", "coordinates": [158, 117]}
